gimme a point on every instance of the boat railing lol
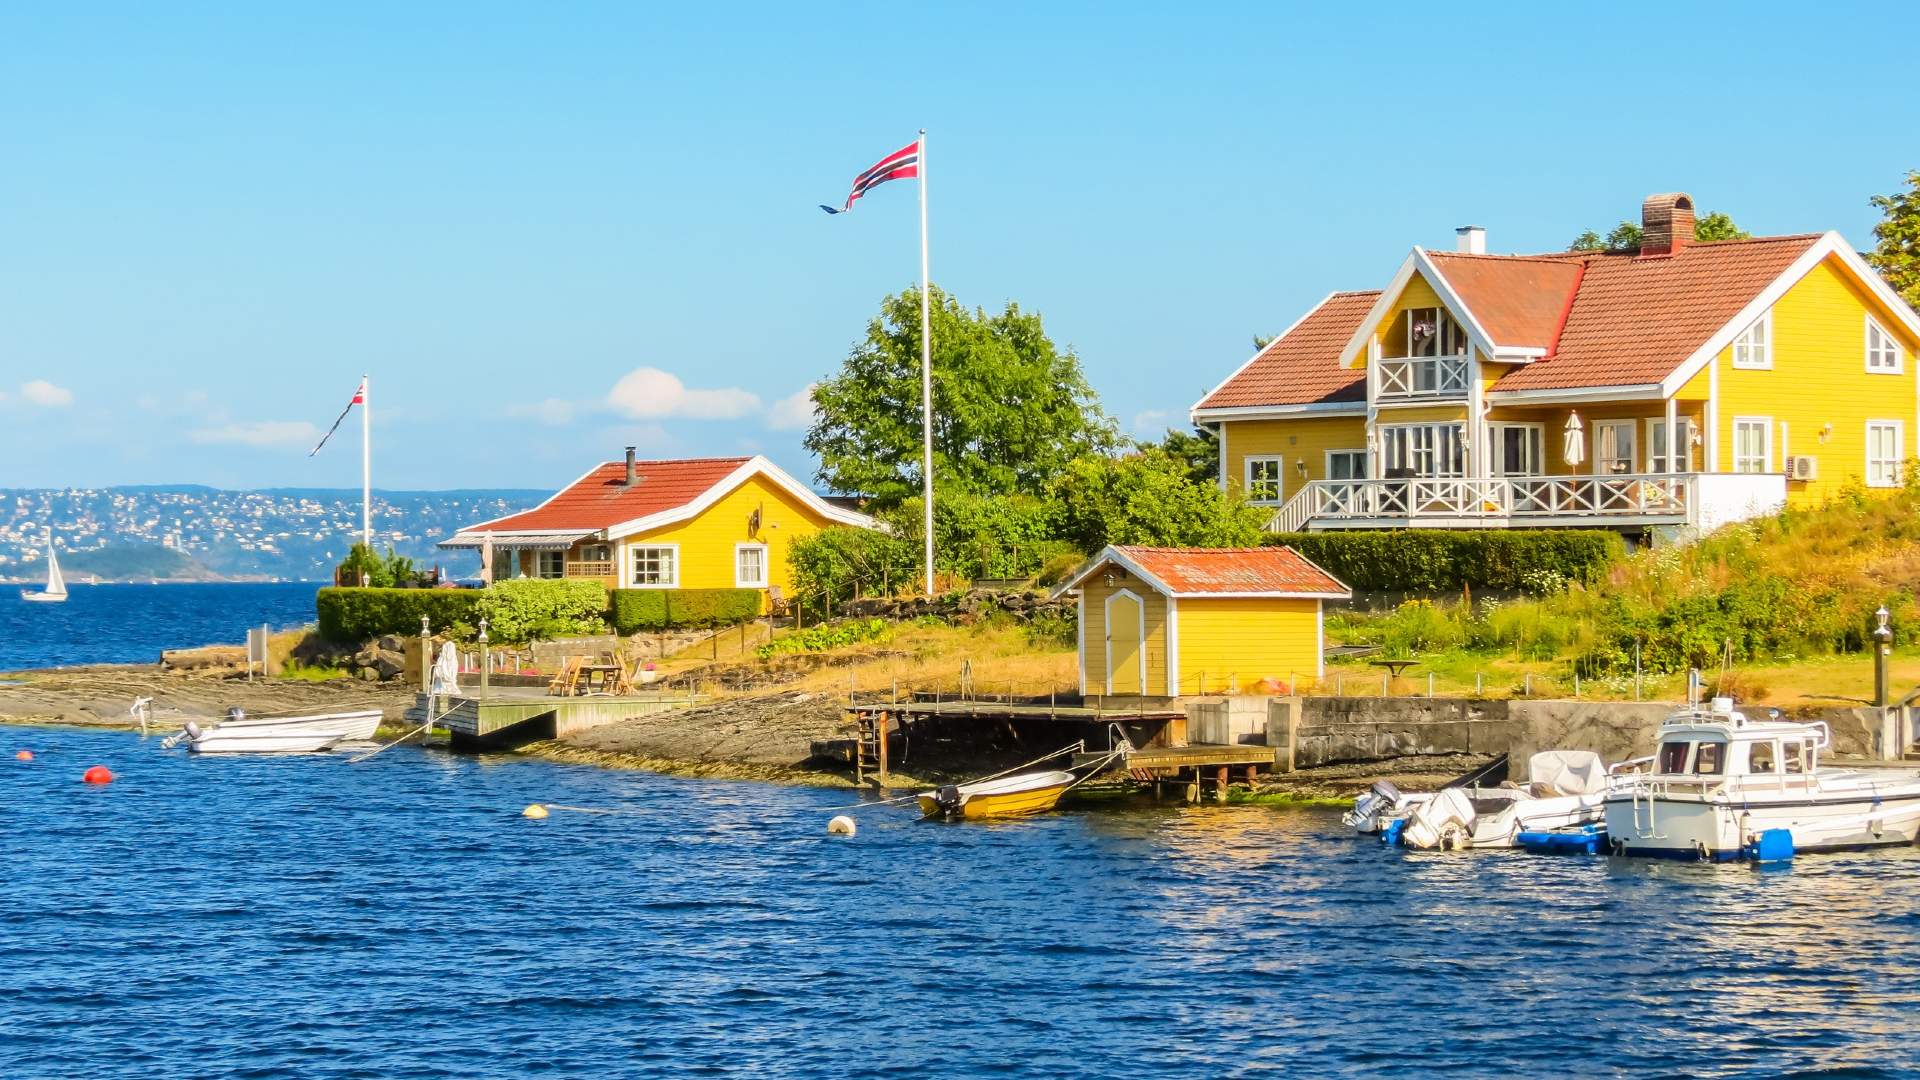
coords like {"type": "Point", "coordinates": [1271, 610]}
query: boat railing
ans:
{"type": "Point", "coordinates": [1628, 766]}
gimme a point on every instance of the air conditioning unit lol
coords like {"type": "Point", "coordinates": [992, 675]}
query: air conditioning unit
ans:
{"type": "Point", "coordinates": [1802, 467]}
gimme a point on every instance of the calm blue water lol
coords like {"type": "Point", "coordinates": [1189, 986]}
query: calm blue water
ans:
{"type": "Point", "coordinates": [131, 624]}
{"type": "Point", "coordinates": [399, 919]}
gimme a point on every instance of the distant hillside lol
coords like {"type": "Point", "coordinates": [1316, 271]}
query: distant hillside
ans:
{"type": "Point", "coordinates": [127, 533]}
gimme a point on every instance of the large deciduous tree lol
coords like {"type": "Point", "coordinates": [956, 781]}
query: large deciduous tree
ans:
{"type": "Point", "coordinates": [1149, 498]}
{"type": "Point", "coordinates": [1896, 252]}
{"type": "Point", "coordinates": [1625, 237]}
{"type": "Point", "coordinates": [1010, 410]}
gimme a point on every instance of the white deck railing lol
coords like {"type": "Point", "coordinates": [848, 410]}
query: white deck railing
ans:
{"type": "Point", "coordinates": [1496, 500]}
{"type": "Point", "coordinates": [1423, 376]}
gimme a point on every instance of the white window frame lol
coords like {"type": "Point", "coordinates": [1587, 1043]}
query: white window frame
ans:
{"type": "Point", "coordinates": [633, 552]}
{"type": "Point", "coordinates": [1279, 478]}
{"type": "Point", "coordinates": [1765, 424]}
{"type": "Point", "coordinates": [1358, 452]}
{"type": "Point", "coordinates": [1744, 344]}
{"type": "Point", "coordinates": [541, 559]}
{"type": "Point", "coordinates": [1892, 465]}
{"type": "Point", "coordinates": [1496, 448]}
{"type": "Point", "coordinates": [1633, 449]}
{"type": "Point", "coordinates": [1889, 345]}
{"type": "Point", "coordinates": [1656, 462]}
{"type": "Point", "coordinates": [1435, 444]}
{"type": "Point", "coordinates": [766, 566]}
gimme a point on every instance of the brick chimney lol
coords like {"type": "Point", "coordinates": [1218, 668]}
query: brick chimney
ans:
{"type": "Point", "coordinates": [1666, 224]}
{"type": "Point", "coordinates": [633, 473]}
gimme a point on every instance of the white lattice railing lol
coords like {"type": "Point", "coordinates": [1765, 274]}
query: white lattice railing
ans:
{"type": "Point", "coordinates": [1423, 376]}
{"type": "Point", "coordinates": [1523, 497]}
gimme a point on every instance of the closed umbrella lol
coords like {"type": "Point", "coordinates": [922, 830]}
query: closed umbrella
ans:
{"type": "Point", "coordinates": [446, 671]}
{"type": "Point", "coordinates": [486, 559]}
{"type": "Point", "coordinates": [1574, 449]}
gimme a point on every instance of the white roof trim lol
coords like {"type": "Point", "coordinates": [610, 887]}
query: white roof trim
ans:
{"type": "Point", "coordinates": [1111, 554]}
{"type": "Point", "coordinates": [1194, 412]}
{"type": "Point", "coordinates": [755, 466]}
{"type": "Point", "coordinates": [1417, 261]}
{"type": "Point", "coordinates": [1379, 309]}
{"type": "Point", "coordinates": [1262, 412]}
{"type": "Point", "coordinates": [1624, 392]}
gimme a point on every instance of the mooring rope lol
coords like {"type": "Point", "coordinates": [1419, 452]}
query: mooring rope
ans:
{"type": "Point", "coordinates": [423, 729]}
{"type": "Point", "coordinates": [1068, 749]}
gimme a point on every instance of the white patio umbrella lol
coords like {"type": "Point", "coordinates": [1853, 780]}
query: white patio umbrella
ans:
{"type": "Point", "coordinates": [486, 559]}
{"type": "Point", "coordinates": [1574, 446]}
{"type": "Point", "coordinates": [446, 671]}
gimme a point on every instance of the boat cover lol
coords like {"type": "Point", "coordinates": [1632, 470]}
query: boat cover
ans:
{"type": "Point", "coordinates": [1567, 772]}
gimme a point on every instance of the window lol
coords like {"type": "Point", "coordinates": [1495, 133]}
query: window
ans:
{"type": "Point", "coordinates": [1427, 332]}
{"type": "Point", "coordinates": [656, 567]}
{"type": "Point", "coordinates": [1657, 446]}
{"type": "Point", "coordinates": [1761, 758]}
{"type": "Point", "coordinates": [596, 553]}
{"type": "Point", "coordinates": [1613, 447]}
{"type": "Point", "coordinates": [1883, 453]}
{"type": "Point", "coordinates": [749, 566]}
{"type": "Point", "coordinates": [1883, 351]}
{"type": "Point", "coordinates": [551, 564]}
{"type": "Point", "coordinates": [1709, 758]}
{"type": "Point", "coordinates": [1518, 449]}
{"type": "Point", "coordinates": [1752, 444]}
{"type": "Point", "coordinates": [1796, 758]}
{"type": "Point", "coordinates": [1754, 347]}
{"type": "Point", "coordinates": [1346, 464]}
{"type": "Point", "coordinates": [1422, 450]}
{"type": "Point", "coordinates": [1263, 479]}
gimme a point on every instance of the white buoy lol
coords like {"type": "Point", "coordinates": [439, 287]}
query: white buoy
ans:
{"type": "Point", "coordinates": [534, 811]}
{"type": "Point", "coordinates": [841, 825]}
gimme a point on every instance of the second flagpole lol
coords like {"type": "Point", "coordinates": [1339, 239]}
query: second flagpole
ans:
{"type": "Point", "coordinates": [926, 368]}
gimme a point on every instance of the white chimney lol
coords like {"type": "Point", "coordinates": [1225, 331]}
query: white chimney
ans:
{"type": "Point", "coordinates": [1472, 240]}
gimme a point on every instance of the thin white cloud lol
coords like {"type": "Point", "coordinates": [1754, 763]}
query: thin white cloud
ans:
{"type": "Point", "coordinates": [260, 433]}
{"type": "Point", "coordinates": [651, 394]}
{"type": "Point", "coordinates": [1149, 422]}
{"type": "Point", "coordinates": [45, 394]}
{"type": "Point", "coordinates": [795, 412]}
{"type": "Point", "coordinates": [553, 412]}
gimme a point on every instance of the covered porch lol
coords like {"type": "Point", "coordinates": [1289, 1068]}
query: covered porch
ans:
{"type": "Point", "coordinates": [582, 555]}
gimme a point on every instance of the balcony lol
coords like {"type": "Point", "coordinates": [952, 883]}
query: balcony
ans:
{"type": "Point", "coordinates": [1423, 378]}
{"type": "Point", "coordinates": [581, 568]}
{"type": "Point", "coordinates": [1702, 501]}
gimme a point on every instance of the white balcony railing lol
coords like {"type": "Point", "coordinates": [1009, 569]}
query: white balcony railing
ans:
{"type": "Point", "coordinates": [1657, 498]}
{"type": "Point", "coordinates": [1423, 377]}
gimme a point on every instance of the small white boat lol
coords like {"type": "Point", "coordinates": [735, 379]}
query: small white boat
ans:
{"type": "Point", "coordinates": [55, 591]}
{"type": "Point", "coordinates": [1720, 780]}
{"type": "Point", "coordinates": [357, 725]}
{"type": "Point", "coordinates": [240, 734]}
{"type": "Point", "coordinates": [1565, 789]}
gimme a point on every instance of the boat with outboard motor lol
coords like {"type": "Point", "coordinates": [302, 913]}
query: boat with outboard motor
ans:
{"type": "Point", "coordinates": [1565, 791]}
{"type": "Point", "coordinates": [1006, 796]}
{"type": "Point", "coordinates": [1720, 781]}
{"type": "Point", "coordinates": [238, 733]}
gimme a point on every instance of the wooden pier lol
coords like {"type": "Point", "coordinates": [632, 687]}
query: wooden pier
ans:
{"type": "Point", "coordinates": [504, 717]}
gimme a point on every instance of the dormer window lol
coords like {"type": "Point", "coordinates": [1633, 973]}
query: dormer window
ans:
{"type": "Point", "coordinates": [1426, 332]}
{"type": "Point", "coordinates": [1754, 347]}
{"type": "Point", "coordinates": [1883, 350]}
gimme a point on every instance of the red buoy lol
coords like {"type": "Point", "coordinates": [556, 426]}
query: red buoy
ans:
{"type": "Point", "coordinates": [99, 774]}
{"type": "Point", "coordinates": [23, 755]}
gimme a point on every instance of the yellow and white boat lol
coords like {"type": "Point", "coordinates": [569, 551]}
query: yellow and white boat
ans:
{"type": "Point", "coordinates": [1008, 796]}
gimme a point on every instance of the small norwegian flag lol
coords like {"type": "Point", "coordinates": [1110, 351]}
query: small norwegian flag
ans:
{"type": "Point", "coordinates": [902, 164]}
{"type": "Point", "coordinates": [359, 398]}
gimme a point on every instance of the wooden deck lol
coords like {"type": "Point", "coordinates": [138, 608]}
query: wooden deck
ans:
{"type": "Point", "coordinates": [1015, 710]}
{"type": "Point", "coordinates": [1191, 756]}
{"type": "Point", "coordinates": [496, 716]}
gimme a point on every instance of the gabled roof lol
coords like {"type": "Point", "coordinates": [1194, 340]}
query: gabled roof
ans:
{"type": "Point", "coordinates": [667, 491]}
{"type": "Point", "coordinates": [1303, 366]}
{"type": "Point", "coordinates": [1519, 300]}
{"type": "Point", "coordinates": [1218, 572]}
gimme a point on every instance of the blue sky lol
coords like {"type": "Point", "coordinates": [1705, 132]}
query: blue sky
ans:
{"type": "Point", "coordinates": [214, 218]}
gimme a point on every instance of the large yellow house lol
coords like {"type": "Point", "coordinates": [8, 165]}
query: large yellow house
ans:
{"type": "Point", "coordinates": [1687, 384]}
{"type": "Point", "coordinates": [698, 523]}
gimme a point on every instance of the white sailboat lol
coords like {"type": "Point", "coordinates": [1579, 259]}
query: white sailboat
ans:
{"type": "Point", "coordinates": [56, 590]}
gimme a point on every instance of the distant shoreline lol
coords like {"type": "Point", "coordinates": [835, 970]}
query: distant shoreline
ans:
{"type": "Point", "coordinates": [71, 584]}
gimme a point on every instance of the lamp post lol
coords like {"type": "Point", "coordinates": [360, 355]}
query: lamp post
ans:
{"type": "Point", "coordinates": [1882, 649]}
{"type": "Point", "coordinates": [486, 658]}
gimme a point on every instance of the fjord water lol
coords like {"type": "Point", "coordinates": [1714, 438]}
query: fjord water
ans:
{"type": "Point", "coordinates": [132, 624]}
{"type": "Point", "coordinates": [307, 917]}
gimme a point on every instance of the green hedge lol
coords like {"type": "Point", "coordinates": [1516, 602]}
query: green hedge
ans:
{"type": "Point", "coordinates": [352, 615]}
{"type": "Point", "coordinates": [1436, 560]}
{"type": "Point", "coordinates": [634, 610]}
{"type": "Point", "coordinates": [543, 609]}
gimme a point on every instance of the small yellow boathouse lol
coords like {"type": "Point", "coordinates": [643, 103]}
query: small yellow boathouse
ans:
{"type": "Point", "coordinates": [1175, 622]}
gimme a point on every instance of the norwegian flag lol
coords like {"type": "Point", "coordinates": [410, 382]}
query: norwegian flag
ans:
{"type": "Point", "coordinates": [359, 398]}
{"type": "Point", "coordinates": [902, 164]}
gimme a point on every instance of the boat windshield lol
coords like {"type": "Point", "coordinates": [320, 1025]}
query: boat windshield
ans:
{"type": "Point", "coordinates": [1704, 757]}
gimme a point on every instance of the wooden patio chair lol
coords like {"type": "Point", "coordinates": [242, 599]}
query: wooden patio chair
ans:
{"type": "Point", "coordinates": [777, 603]}
{"type": "Point", "coordinates": [567, 682]}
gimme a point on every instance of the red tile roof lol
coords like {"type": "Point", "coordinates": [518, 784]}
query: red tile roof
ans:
{"type": "Point", "coordinates": [1233, 571]}
{"type": "Point", "coordinates": [1304, 365]}
{"type": "Point", "coordinates": [1635, 320]}
{"type": "Point", "coordinates": [1517, 300]}
{"type": "Point", "coordinates": [601, 499]}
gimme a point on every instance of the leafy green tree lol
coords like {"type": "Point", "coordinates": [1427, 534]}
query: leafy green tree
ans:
{"type": "Point", "coordinates": [1718, 226]}
{"type": "Point", "coordinates": [1625, 237]}
{"type": "Point", "coordinates": [364, 566]}
{"type": "Point", "coordinates": [1149, 497]}
{"type": "Point", "coordinates": [1010, 410]}
{"type": "Point", "coordinates": [1896, 252]}
{"type": "Point", "coordinates": [1199, 448]}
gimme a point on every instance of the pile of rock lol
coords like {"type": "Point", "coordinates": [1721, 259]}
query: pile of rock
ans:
{"type": "Point", "coordinates": [379, 660]}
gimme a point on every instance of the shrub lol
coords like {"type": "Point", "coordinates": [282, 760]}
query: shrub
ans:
{"type": "Point", "coordinates": [826, 636]}
{"type": "Point", "coordinates": [839, 559]}
{"type": "Point", "coordinates": [526, 610]}
{"type": "Point", "coordinates": [1436, 561]}
{"type": "Point", "coordinates": [636, 610]}
{"type": "Point", "coordinates": [351, 614]}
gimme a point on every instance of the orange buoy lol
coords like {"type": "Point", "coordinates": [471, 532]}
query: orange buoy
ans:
{"type": "Point", "coordinates": [98, 774]}
{"type": "Point", "coordinates": [23, 755]}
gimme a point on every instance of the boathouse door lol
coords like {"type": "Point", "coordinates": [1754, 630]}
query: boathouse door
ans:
{"type": "Point", "coordinates": [1126, 656]}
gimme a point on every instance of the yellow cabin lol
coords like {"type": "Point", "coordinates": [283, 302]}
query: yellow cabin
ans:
{"type": "Point", "coordinates": [699, 523]}
{"type": "Point", "coordinates": [1175, 622]}
{"type": "Point", "coordinates": [1680, 386]}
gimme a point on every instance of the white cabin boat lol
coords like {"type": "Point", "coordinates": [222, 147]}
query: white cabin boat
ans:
{"type": "Point", "coordinates": [55, 591]}
{"type": "Point", "coordinates": [1719, 780]}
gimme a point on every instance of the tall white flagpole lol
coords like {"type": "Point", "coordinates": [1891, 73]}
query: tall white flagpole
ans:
{"type": "Point", "coordinates": [926, 368]}
{"type": "Point", "coordinates": [366, 462]}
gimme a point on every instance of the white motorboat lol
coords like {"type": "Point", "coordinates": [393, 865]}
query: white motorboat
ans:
{"type": "Point", "coordinates": [238, 733]}
{"type": "Point", "coordinates": [55, 591]}
{"type": "Point", "coordinates": [1720, 780]}
{"type": "Point", "coordinates": [1565, 790]}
